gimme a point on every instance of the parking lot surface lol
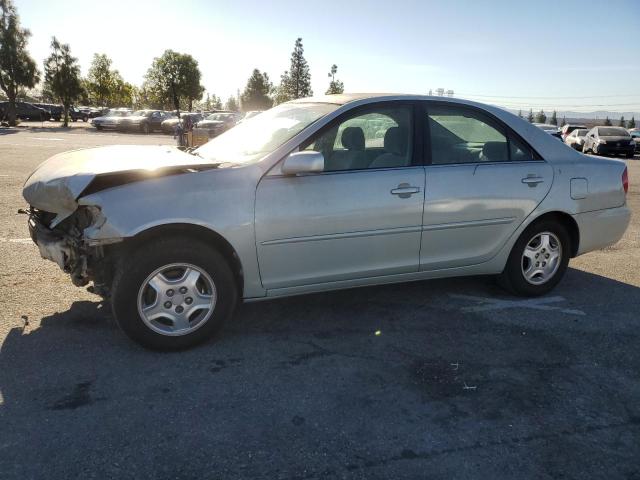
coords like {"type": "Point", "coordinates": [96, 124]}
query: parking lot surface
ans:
{"type": "Point", "coordinates": [435, 379]}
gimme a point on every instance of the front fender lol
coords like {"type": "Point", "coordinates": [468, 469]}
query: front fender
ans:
{"type": "Point", "coordinates": [220, 200]}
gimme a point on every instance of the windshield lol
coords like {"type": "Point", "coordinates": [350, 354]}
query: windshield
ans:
{"type": "Point", "coordinates": [582, 132]}
{"type": "Point", "coordinates": [251, 140]}
{"type": "Point", "coordinates": [613, 132]}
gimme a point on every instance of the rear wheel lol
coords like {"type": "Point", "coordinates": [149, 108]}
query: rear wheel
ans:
{"type": "Point", "coordinates": [538, 260]}
{"type": "Point", "coordinates": [173, 294]}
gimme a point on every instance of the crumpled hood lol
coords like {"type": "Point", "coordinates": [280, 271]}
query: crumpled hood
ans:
{"type": "Point", "coordinates": [56, 184]}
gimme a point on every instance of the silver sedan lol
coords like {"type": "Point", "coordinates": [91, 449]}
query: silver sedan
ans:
{"type": "Point", "coordinates": [321, 194]}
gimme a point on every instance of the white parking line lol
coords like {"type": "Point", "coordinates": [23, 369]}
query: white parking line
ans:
{"type": "Point", "coordinates": [486, 304]}
{"type": "Point", "coordinates": [24, 241]}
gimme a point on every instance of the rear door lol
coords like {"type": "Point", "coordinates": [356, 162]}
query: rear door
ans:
{"type": "Point", "coordinates": [482, 181]}
{"type": "Point", "coordinates": [361, 217]}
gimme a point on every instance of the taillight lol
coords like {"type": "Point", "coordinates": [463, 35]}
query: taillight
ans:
{"type": "Point", "coordinates": [625, 180]}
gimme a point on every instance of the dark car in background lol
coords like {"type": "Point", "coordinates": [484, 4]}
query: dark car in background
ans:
{"type": "Point", "coordinates": [219, 122]}
{"type": "Point", "coordinates": [609, 141]}
{"type": "Point", "coordinates": [76, 114]}
{"type": "Point", "coordinates": [25, 111]}
{"type": "Point", "coordinates": [169, 125]}
{"type": "Point", "coordinates": [145, 121]}
{"type": "Point", "coordinates": [550, 129]}
{"type": "Point", "coordinates": [635, 135]}
{"type": "Point", "coordinates": [55, 111]}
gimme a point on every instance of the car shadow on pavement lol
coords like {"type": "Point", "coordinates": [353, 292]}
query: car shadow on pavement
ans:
{"type": "Point", "coordinates": [374, 378]}
{"type": "Point", "coordinates": [7, 131]}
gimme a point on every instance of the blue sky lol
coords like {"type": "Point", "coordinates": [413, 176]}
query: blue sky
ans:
{"type": "Point", "coordinates": [507, 52]}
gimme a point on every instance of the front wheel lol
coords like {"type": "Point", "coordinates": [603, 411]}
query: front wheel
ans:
{"type": "Point", "coordinates": [173, 294]}
{"type": "Point", "coordinates": [538, 259]}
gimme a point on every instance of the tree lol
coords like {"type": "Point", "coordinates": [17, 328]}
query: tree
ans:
{"type": "Point", "coordinates": [530, 116]}
{"type": "Point", "coordinates": [564, 121]}
{"type": "Point", "coordinates": [256, 93]}
{"type": "Point", "coordinates": [554, 119]}
{"type": "Point", "coordinates": [100, 80]}
{"type": "Point", "coordinates": [622, 122]}
{"type": "Point", "coordinates": [62, 76]}
{"type": "Point", "coordinates": [231, 104]}
{"type": "Point", "coordinates": [607, 122]}
{"type": "Point", "coordinates": [173, 80]}
{"type": "Point", "coordinates": [335, 86]}
{"type": "Point", "coordinates": [295, 82]}
{"type": "Point", "coordinates": [632, 123]}
{"type": "Point", "coordinates": [17, 68]}
{"type": "Point", "coordinates": [520, 113]}
{"type": "Point", "coordinates": [541, 117]}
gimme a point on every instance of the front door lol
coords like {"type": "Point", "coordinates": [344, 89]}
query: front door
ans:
{"type": "Point", "coordinates": [482, 182]}
{"type": "Point", "coordinates": [361, 217]}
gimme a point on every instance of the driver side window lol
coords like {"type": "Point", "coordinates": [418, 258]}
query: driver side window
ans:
{"type": "Point", "coordinates": [376, 138]}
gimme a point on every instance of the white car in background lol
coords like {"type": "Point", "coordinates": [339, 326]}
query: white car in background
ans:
{"type": "Point", "coordinates": [576, 138]}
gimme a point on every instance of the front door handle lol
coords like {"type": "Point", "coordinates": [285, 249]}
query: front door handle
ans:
{"type": "Point", "coordinates": [404, 190]}
{"type": "Point", "coordinates": [532, 180]}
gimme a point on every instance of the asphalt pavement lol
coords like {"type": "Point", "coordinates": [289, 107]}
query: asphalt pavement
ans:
{"type": "Point", "coordinates": [435, 379]}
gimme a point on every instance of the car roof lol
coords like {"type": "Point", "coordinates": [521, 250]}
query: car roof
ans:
{"type": "Point", "coordinates": [345, 98]}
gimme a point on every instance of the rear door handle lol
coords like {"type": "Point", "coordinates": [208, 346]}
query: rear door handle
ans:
{"type": "Point", "coordinates": [532, 180]}
{"type": "Point", "coordinates": [404, 190]}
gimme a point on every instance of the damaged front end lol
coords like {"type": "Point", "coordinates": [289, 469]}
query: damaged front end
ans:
{"type": "Point", "coordinates": [65, 244]}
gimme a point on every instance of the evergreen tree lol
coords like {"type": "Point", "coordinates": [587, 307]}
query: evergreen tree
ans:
{"type": "Point", "coordinates": [231, 104]}
{"type": "Point", "coordinates": [256, 93]}
{"type": "Point", "coordinates": [541, 117]}
{"type": "Point", "coordinates": [632, 123]}
{"type": "Point", "coordinates": [295, 82]}
{"type": "Point", "coordinates": [622, 122]}
{"type": "Point", "coordinates": [17, 68]}
{"type": "Point", "coordinates": [62, 76]}
{"type": "Point", "coordinates": [564, 121]}
{"type": "Point", "coordinates": [335, 86]}
{"type": "Point", "coordinates": [530, 116]}
{"type": "Point", "coordinates": [607, 122]}
{"type": "Point", "coordinates": [554, 119]}
{"type": "Point", "coordinates": [520, 113]}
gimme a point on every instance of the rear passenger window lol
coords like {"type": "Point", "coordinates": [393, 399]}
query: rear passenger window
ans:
{"type": "Point", "coordinates": [465, 135]}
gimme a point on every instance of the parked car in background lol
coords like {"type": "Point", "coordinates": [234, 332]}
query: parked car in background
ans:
{"type": "Point", "coordinates": [635, 134]}
{"type": "Point", "coordinates": [111, 120]}
{"type": "Point", "coordinates": [55, 111]}
{"type": "Point", "coordinates": [169, 125]}
{"type": "Point", "coordinates": [25, 111]}
{"type": "Point", "coordinates": [144, 121]}
{"type": "Point", "coordinates": [609, 141]}
{"type": "Point", "coordinates": [550, 129]}
{"type": "Point", "coordinates": [219, 122]}
{"type": "Point", "coordinates": [250, 114]}
{"type": "Point", "coordinates": [576, 138]}
{"type": "Point", "coordinates": [76, 114]}
{"type": "Point", "coordinates": [570, 127]}
{"type": "Point", "coordinates": [305, 198]}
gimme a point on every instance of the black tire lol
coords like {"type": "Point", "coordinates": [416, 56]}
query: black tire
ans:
{"type": "Point", "coordinates": [74, 119]}
{"type": "Point", "coordinates": [144, 128]}
{"type": "Point", "coordinates": [98, 127]}
{"type": "Point", "coordinates": [135, 269]}
{"type": "Point", "coordinates": [85, 119]}
{"type": "Point", "coordinates": [629, 155]}
{"type": "Point", "coordinates": [513, 279]}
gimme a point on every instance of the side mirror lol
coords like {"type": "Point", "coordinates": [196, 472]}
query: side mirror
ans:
{"type": "Point", "coordinates": [308, 161]}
